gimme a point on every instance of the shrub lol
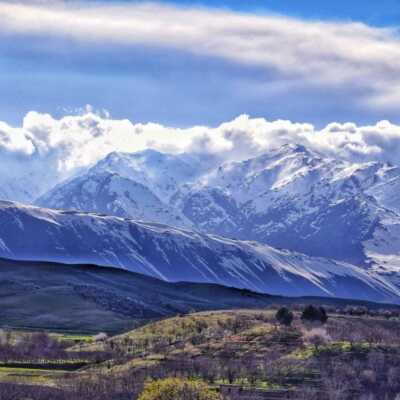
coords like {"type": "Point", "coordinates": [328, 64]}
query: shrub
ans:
{"type": "Point", "coordinates": [314, 314]}
{"type": "Point", "coordinates": [316, 337]}
{"type": "Point", "coordinates": [177, 389]}
{"type": "Point", "coordinates": [284, 316]}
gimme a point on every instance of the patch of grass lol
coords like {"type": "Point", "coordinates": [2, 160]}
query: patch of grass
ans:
{"type": "Point", "coordinates": [302, 353]}
{"type": "Point", "coordinates": [245, 382]}
{"type": "Point", "coordinates": [257, 331]}
{"type": "Point", "coordinates": [30, 376]}
{"type": "Point", "coordinates": [74, 338]}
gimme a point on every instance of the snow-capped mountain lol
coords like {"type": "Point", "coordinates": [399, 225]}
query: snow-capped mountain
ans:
{"type": "Point", "coordinates": [161, 173]}
{"type": "Point", "coordinates": [136, 185]}
{"type": "Point", "coordinates": [110, 193]}
{"type": "Point", "coordinates": [291, 198]}
{"type": "Point", "coordinates": [174, 254]}
{"type": "Point", "coordinates": [296, 199]}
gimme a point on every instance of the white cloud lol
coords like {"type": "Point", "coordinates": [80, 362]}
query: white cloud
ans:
{"type": "Point", "coordinates": [323, 54]}
{"type": "Point", "coordinates": [45, 150]}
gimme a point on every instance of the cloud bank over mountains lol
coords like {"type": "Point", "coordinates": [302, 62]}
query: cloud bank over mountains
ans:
{"type": "Point", "coordinates": [45, 150]}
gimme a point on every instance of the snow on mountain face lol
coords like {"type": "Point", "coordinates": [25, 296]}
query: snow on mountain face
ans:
{"type": "Point", "coordinates": [12, 191]}
{"type": "Point", "coordinates": [161, 173]}
{"type": "Point", "coordinates": [24, 189]}
{"type": "Point", "coordinates": [383, 249]}
{"type": "Point", "coordinates": [173, 254]}
{"type": "Point", "coordinates": [386, 188]}
{"type": "Point", "coordinates": [110, 193]}
{"type": "Point", "coordinates": [269, 172]}
{"type": "Point", "coordinates": [293, 198]}
{"type": "Point", "coordinates": [211, 209]}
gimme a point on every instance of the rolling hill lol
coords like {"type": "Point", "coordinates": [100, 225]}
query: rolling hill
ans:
{"type": "Point", "coordinates": [90, 298]}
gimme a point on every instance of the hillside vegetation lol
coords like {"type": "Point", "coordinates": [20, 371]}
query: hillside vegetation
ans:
{"type": "Point", "coordinates": [234, 353]}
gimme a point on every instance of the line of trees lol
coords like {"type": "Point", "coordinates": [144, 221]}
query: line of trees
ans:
{"type": "Point", "coordinates": [311, 315]}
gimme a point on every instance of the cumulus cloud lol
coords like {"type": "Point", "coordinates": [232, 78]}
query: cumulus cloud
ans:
{"type": "Point", "coordinates": [45, 150]}
{"type": "Point", "coordinates": [327, 54]}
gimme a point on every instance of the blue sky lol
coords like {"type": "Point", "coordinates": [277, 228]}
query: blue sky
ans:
{"type": "Point", "coordinates": [319, 66]}
{"type": "Point", "coordinates": [378, 13]}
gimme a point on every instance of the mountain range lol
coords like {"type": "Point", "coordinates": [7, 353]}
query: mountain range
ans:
{"type": "Point", "coordinates": [290, 221]}
{"type": "Point", "coordinates": [290, 198]}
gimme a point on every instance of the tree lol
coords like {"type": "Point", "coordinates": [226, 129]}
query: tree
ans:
{"type": "Point", "coordinates": [177, 389]}
{"type": "Point", "coordinates": [284, 316]}
{"type": "Point", "coordinates": [314, 314]}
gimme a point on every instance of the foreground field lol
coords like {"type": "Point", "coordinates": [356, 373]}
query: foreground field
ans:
{"type": "Point", "coordinates": [242, 354]}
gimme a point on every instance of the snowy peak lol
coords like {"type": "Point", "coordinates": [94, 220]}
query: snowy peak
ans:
{"type": "Point", "coordinates": [269, 171]}
{"type": "Point", "coordinates": [161, 173]}
{"type": "Point", "coordinates": [112, 194]}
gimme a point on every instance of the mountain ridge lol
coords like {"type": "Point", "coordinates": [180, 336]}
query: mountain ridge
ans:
{"type": "Point", "coordinates": [174, 254]}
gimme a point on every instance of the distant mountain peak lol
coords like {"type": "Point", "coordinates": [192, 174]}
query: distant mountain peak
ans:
{"type": "Point", "coordinates": [110, 193]}
{"type": "Point", "coordinates": [291, 147]}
